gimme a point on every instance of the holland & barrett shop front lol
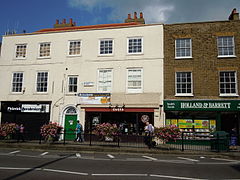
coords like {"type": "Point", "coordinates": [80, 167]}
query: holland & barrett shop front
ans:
{"type": "Point", "coordinates": [203, 116]}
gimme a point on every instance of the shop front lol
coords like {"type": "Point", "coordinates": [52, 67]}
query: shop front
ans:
{"type": "Point", "coordinates": [131, 121]}
{"type": "Point", "coordinates": [31, 114]}
{"type": "Point", "coordinates": [203, 116]}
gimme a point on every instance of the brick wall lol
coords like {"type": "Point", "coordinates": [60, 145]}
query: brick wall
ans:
{"type": "Point", "coordinates": [205, 65]}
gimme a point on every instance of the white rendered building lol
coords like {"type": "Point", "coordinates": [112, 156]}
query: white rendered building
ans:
{"type": "Point", "coordinates": [94, 74]}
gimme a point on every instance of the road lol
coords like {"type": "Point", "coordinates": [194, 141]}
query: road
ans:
{"type": "Point", "coordinates": [26, 164]}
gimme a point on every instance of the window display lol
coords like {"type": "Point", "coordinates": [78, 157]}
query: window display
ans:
{"type": "Point", "coordinates": [194, 128]}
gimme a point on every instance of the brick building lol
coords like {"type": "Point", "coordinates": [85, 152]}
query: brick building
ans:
{"type": "Point", "coordinates": [201, 75]}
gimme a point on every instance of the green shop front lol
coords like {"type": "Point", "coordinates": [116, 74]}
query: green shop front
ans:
{"type": "Point", "coordinates": [203, 116]}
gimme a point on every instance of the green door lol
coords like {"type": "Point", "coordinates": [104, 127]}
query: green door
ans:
{"type": "Point", "coordinates": [70, 126]}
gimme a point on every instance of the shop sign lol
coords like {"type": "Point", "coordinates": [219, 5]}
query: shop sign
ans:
{"type": "Point", "coordinates": [201, 105]}
{"type": "Point", "coordinates": [118, 109]}
{"type": "Point", "coordinates": [94, 98]}
{"type": "Point", "coordinates": [26, 108]}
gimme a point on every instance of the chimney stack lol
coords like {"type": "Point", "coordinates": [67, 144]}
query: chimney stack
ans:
{"type": "Point", "coordinates": [234, 15]}
{"type": "Point", "coordinates": [64, 23]}
{"type": "Point", "coordinates": [139, 20]}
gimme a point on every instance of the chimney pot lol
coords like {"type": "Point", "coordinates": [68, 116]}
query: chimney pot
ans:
{"type": "Point", "coordinates": [70, 21]}
{"type": "Point", "coordinates": [64, 21]}
{"type": "Point", "coordinates": [141, 15]}
{"type": "Point", "coordinates": [129, 16]}
{"type": "Point", "coordinates": [57, 21]}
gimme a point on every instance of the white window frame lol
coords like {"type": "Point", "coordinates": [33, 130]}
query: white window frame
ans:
{"type": "Point", "coordinates": [39, 50]}
{"type": "Point", "coordinates": [72, 41]}
{"type": "Point", "coordinates": [236, 84]}
{"type": "Point", "coordinates": [13, 81]}
{"type": "Point", "coordinates": [99, 47]}
{"type": "Point", "coordinates": [73, 85]}
{"type": "Point", "coordinates": [176, 48]}
{"type": "Point", "coordinates": [98, 80]}
{"type": "Point", "coordinates": [36, 88]}
{"type": "Point", "coordinates": [16, 51]}
{"type": "Point", "coordinates": [132, 90]}
{"type": "Point", "coordinates": [227, 46]}
{"type": "Point", "coordinates": [134, 53]}
{"type": "Point", "coordinates": [176, 83]}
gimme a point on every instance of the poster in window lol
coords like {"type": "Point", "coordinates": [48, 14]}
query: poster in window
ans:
{"type": "Point", "coordinates": [201, 124]}
{"type": "Point", "coordinates": [168, 122]}
{"type": "Point", "coordinates": [212, 124]}
{"type": "Point", "coordinates": [185, 123]}
{"type": "Point", "coordinates": [174, 122]}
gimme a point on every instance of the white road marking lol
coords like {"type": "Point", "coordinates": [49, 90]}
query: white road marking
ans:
{"type": "Point", "coordinates": [110, 156]}
{"type": "Point", "coordinates": [13, 168]}
{"type": "Point", "coordinates": [221, 159]}
{"type": "Point", "coordinates": [119, 174]}
{"type": "Point", "coordinates": [188, 159]}
{"type": "Point", "coordinates": [14, 152]}
{"type": "Point", "coordinates": [43, 154]}
{"type": "Point", "coordinates": [68, 172]}
{"type": "Point", "coordinates": [173, 177]}
{"type": "Point", "coordinates": [78, 155]}
{"type": "Point", "coordinates": [151, 158]}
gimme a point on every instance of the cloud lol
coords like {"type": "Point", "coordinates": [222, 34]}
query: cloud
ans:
{"type": "Point", "coordinates": [156, 11]}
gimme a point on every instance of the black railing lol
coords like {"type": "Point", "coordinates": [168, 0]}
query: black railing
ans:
{"type": "Point", "coordinates": [186, 142]}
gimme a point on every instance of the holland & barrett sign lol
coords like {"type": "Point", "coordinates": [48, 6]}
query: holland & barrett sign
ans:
{"type": "Point", "coordinates": [201, 105]}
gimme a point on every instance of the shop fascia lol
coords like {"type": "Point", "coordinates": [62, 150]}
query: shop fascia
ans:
{"type": "Point", "coordinates": [202, 105]}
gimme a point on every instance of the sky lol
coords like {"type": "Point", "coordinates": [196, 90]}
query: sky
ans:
{"type": "Point", "coordinates": [33, 15]}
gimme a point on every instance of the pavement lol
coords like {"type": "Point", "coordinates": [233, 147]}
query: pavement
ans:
{"type": "Point", "coordinates": [85, 147]}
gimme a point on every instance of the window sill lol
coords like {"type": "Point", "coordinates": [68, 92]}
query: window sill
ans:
{"type": "Point", "coordinates": [17, 59]}
{"type": "Point", "coordinates": [229, 95]}
{"type": "Point", "coordinates": [135, 54]}
{"type": "Point", "coordinates": [16, 93]}
{"type": "Point", "coordinates": [73, 56]}
{"type": "Point", "coordinates": [224, 57]}
{"type": "Point", "coordinates": [184, 95]}
{"type": "Point", "coordinates": [105, 55]}
{"type": "Point", "coordinates": [186, 57]}
{"type": "Point", "coordinates": [47, 57]}
{"type": "Point", "coordinates": [40, 93]}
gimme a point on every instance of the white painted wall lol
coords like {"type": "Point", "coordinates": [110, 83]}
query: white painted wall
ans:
{"type": "Point", "coordinates": [60, 65]}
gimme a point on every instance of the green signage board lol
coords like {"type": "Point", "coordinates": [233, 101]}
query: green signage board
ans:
{"type": "Point", "coordinates": [201, 105]}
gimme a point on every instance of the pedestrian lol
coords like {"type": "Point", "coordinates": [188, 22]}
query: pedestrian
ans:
{"type": "Point", "coordinates": [233, 139]}
{"type": "Point", "coordinates": [20, 132]}
{"type": "Point", "coordinates": [149, 130]}
{"type": "Point", "coordinates": [78, 132]}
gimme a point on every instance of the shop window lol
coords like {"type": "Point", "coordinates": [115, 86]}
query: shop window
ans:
{"type": "Point", "coordinates": [194, 128]}
{"type": "Point", "coordinates": [17, 82]}
{"type": "Point", "coordinates": [228, 83]}
{"type": "Point", "coordinates": [226, 46]}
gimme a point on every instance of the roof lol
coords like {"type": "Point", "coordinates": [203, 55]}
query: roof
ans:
{"type": "Point", "coordinates": [99, 26]}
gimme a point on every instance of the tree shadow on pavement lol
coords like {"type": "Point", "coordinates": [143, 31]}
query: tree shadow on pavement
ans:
{"type": "Point", "coordinates": [37, 167]}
